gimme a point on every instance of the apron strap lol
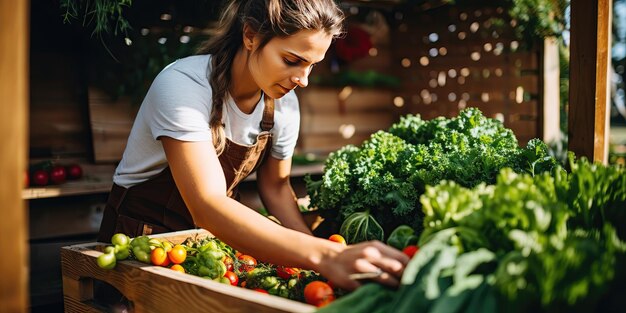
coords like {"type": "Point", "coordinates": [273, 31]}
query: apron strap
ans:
{"type": "Point", "coordinates": [267, 123]}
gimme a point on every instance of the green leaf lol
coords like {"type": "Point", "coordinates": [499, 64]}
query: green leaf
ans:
{"type": "Point", "coordinates": [401, 237]}
{"type": "Point", "coordinates": [361, 226]}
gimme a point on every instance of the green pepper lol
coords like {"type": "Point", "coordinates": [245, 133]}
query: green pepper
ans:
{"type": "Point", "coordinates": [141, 255]}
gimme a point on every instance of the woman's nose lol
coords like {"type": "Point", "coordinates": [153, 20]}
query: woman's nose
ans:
{"type": "Point", "coordinates": [301, 80]}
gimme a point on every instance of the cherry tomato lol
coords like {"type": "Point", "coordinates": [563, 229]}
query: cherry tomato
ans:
{"type": "Point", "coordinates": [318, 293]}
{"type": "Point", "coordinates": [287, 272]}
{"type": "Point", "coordinates": [261, 290]}
{"type": "Point", "coordinates": [40, 178]}
{"type": "Point", "coordinates": [337, 238]}
{"type": "Point", "coordinates": [178, 254]}
{"type": "Point", "coordinates": [232, 277]}
{"type": "Point", "coordinates": [58, 174]}
{"type": "Point", "coordinates": [410, 250]}
{"type": "Point", "coordinates": [159, 257]}
{"type": "Point", "coordinates": [178, 268]}
{"type": "Point", "coordinates": [248, 263]}
{"type": "Point", "coordinates": [228, 261]}
{"type": "Point", "coordinates": [74, 171]}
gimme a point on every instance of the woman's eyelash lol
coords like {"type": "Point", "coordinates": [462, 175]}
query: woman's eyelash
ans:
{"type": "Point", "coordinates": [290, 62]}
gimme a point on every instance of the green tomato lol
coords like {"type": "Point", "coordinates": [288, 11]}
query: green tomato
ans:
{"type": "Point", "coordinates": [222, 280]}
{"type": "Point", "coordinates": [106, 261]}
{"type": "Point", "coordinates": [122, 252]}
{"type": "Point", "coordinates": [141, 255]}
{"type": "Point", "coordinates": [120, 239]}
{"type": "Point", "coordinates": [269, 282]}
{"type": "Point", "coordinates": [109, 249]}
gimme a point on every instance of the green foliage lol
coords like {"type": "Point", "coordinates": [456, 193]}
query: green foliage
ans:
{"type": "Point", "coordinates": [386, 175]}
{"type": "Point", "coordinates": [553, 242]}
{"type": "Point", "coordinates": [106, 15]}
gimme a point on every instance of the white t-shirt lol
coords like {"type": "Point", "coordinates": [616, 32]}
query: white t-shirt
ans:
{"type": "Point", "coordinates": [178, 105]}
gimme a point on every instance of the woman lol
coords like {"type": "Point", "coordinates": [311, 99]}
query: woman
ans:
{"type": "Point", "coordinates": [209, 120]}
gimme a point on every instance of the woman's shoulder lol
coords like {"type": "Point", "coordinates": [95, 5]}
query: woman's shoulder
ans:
{"type": "Point", "coordinates": [192, 67]}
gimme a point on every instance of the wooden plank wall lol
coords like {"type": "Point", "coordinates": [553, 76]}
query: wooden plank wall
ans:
{"type": "Point", "coordinates": [458, 58]}
{"type": "Point", "coordinates": [447, 58]}
{"type": "Point", "coordinates": [13, 154]}
{"type": "Point", "coordinates": [59, 123]}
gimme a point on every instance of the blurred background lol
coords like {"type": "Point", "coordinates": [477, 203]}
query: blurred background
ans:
{"type": "Point", "coordinates": [91, 62]}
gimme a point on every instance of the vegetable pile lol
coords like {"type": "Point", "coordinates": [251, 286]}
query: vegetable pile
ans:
{"type": "Point", "coordinates": [210, 258]}
{"type": "Point", "coordinates": [552, 242]}
{"type": "Point", "coordinates": [373, 188]}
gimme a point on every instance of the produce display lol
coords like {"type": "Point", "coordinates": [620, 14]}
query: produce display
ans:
{"type": "Point", "coordinates": [50, 173]}
{"type": "Point", "coordinates": [373, 188]}
{"type": "Point", "coordinates": [489, 226]}
{"type": "Point", "coordinates": [552, 242]}
{"type": "Point", "coordinates": [211, 258]}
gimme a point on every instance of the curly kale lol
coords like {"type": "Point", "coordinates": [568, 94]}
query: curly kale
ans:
{"type": "Point", "coordinates": [387, 174]}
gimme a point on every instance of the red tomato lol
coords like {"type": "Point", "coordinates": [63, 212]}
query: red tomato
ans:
{"type": "Point", "coordinates": [337, 238]}
{"type": "Point", "coordinates": [318, 293]}
{"type": "Point", "coordinates": [410, 250]}
{"type": "Point", "coordinates": [232, 277]}
{"type": "Point", "coordinates": [58, 174]}
{"type": "Point", "coordinates": [228, 261]}
{"type": "Point", "coordinates": [40, 178]}
{"type": "Point", "coordinates": [287, 272]}
{"type": "Point", "coordinates": [248, 263]}
{"type": "Point", "coordinates": [261, 290]}
{"type": "Point", "coordinates": [74, 171]}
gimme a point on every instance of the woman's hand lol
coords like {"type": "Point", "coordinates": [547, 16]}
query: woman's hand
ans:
{"type": "Point", "coordinates": [365, 257]}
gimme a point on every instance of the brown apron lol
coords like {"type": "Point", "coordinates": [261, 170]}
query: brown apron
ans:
{"type": "Point", "coordinates": [156, 206]}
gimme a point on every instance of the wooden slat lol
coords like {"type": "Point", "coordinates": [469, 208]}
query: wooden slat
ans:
{"type": "Point", "coordinates": [590, 49]}
{"type": "Point", "coordinates": [362, 123]}
{"type": "Point", "coordinates": [323, 144]}
{"type": "Point", "coordinates": [111, 122]}
{"type": "Point", "coordinates": [550, 119]}
{"type": "Point", "coordinates": [159, 289]}
{"type": "Point", "coordinates": [14, 86]}
{"type": "Point", "coordinates": [327, 99]}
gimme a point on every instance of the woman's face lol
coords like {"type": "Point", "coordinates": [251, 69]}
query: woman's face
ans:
{"type": "Point", "coordinates": [285, 63]}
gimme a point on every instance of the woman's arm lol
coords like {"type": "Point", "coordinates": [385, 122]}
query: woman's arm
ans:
{"type": "Point", "coordinates": [200, 180]}
{"type": "Point", "coordinates": [277, 194]}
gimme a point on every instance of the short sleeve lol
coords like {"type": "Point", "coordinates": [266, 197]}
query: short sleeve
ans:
{"type": "Point", "coordinates": [287, 126]}
{"type": "Point", "coordinates": [179, 105]}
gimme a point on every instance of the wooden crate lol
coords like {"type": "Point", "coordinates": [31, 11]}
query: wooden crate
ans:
{"type": "Point", "coordinates": [159, 289]}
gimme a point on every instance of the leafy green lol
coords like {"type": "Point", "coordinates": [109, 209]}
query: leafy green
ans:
{"type": "Point", "coordinates": [361, 226]}
{"type": "Point", "coordinates": [402, 237]}
{"type": "Point", "coordinates": [388, 173]}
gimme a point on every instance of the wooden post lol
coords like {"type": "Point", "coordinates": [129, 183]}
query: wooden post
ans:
{"type": "Point", "coordinates": [550, 118]}
{"type": "Point", "coordinates": [13, 154]}
{"type": "Point", "coordinates": [589, 94]}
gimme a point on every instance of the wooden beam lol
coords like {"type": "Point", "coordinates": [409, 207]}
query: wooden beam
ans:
{"type": "Point", "coordinates": [14, 31]}
{"type": "Point", "coordinates": [589, 94]}
{"type": "Point", "coordinates": [550, 118]}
